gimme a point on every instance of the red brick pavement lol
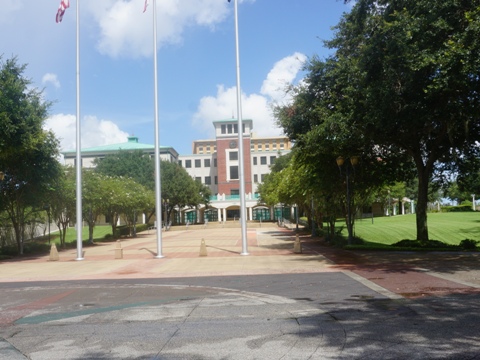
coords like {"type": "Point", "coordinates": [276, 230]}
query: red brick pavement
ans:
{"type": "Point", "coordinates": [400, 273]}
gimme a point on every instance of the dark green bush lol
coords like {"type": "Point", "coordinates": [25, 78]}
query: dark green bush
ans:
{"type": "Point", "coordinates": [469, 244]}
{"type": "Point", "coordinates": [459, 208]}
{"type": "Point", "coordinates": [430, 244]}
{"type": "Point", "coordinates": [142, 227]}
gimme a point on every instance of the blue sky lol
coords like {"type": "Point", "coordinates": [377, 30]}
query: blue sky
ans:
{"type": "Point", "coordinates": [196, 63]}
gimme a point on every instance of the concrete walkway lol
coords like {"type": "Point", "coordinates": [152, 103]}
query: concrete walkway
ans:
{"type": "Point", "coordinates": [323, 303]}
{"type": "Point", "coordinates": [270, 251]}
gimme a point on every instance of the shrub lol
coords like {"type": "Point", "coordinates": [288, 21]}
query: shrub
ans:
{"type": "Point", "coordinates": [469, 244]}
{"type": "Point", "coordinates": [459, 208]}
{"type": "Point", "coordinates": [430, 244]}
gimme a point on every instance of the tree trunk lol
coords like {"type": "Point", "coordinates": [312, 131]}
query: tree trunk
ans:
{"type": "Point", "coordinates": [421, 206]}
{"type": "Point", "coordinates": [91, 226]}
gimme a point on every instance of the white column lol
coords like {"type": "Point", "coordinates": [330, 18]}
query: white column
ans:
{"type": "Point", "coordinates": [224, 214]}
{"type": "Point", "coordinates": [413, 206]}
{"type": "Point", "coordinates": [219, 215]}
{"type": "Point", "coordinates": [250, 213]}
{"type": "Point", "coordinates": [403, 208]}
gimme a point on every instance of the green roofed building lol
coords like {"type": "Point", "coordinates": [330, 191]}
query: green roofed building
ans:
{"type": "Point", "coordinates": [90, 154]}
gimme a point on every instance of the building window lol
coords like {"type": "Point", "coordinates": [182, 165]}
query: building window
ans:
{"type": "Point", "coordinates": [262, 177]}
{"type": "Point", "coordinates": [263, 160]}
{"type": "Point", "coordinates": [255, 178]}
{"type": "Point", "coordinates": [229, 128]}
{"type": "Point", "coordinates": [188, 164]}
{"type": "Point", "coordinates": [208, 180]}
{"type": "Point", "coordinates": [252, 146]}
{"type": "Point", "coordinates": [208, 149]}
{"type": "Point", "coordinates": [272, 160]}
{"type": "Point", "coordinates": [200, 149]}
{"type": "Point", "coordinates": [206, 162]}
{"type": "Point", "coordinates": [233, 172]}
{"type": "Point", "coordinates": [254, 160]}
{"type": "Point", "coordinates": [235, 128]}
{"type": "Point", "coordinates": [216, 180]}
{"type": "Point", "coordinates": [224, 129]}
{"type": "Point", "coordinates": [180, 162]}
{"type": "Point", "coordinates": [215, 162]}
{"type": "Point", "coordinates": [267, 146]}
{"type": "Point", "coordinates": [274, 145]}
{"type": "Point", "coordinates": [198, 179]}
{"type": "Point", "coordinates": [198, 163]}
{"type": "Point", "coordinates": [282, 145]}
{"type": "Point", "coordinates": [234, 192]}
{"type": "Point", "coordinates": [215, 148]}
{"type": "Point", "coordinates": [259, 146]}
{"type": "Point", "coordinates": [233, 155]}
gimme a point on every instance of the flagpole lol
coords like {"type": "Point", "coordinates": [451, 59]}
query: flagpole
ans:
{"type": "Point", "coordinates": [243, 212]}
{"type": "Point", "coordinates": [158, 187]}
{"type": "Point", "coordinates": [79, 155]}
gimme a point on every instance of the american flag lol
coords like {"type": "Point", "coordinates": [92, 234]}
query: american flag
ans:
{"type": "Point", "coordinates": [64, 4]}
{"type": "Point", "coordinates": [145, 6]}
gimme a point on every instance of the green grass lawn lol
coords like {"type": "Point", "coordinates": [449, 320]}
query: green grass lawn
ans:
{"type": "Point", "coordinates": [98, 234]}
{"type": "Point", "coordinates": [450, 228]}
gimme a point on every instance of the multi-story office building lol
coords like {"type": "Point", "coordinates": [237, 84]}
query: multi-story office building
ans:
{"type": "Point", "coordinates": [215, 163]}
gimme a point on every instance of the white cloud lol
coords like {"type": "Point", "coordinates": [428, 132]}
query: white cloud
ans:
{"type": "Point", "coordinates": [51, 78]}
{"type": "Point", "coordinates": [254, 106]}
{"type": "Point", "coordinates": [94, 132]}
{"type": "Point", "coordinates": [283, 73]}
{"type": "Point", "coordinates": [126, 31]}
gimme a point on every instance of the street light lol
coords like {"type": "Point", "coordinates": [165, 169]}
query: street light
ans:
{"type": "Point", "coordinates": [340, 163]}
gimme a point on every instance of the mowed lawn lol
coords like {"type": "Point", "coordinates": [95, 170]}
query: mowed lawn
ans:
{"type": "Point", "coordinates": [99, 233]}
{"type": "Point", "coordinates": [450, 228]}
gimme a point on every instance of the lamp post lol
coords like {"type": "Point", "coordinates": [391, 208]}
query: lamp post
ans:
{"type": "Point", "coordinates": [340, 163]}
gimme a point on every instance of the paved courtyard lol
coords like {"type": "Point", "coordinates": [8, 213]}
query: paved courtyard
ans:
{"type": "Point", "coordinates": [323, 303]}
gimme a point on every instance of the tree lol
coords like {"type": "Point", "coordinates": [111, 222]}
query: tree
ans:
{"type": "Point", "coordinates": [419, 81]}
{"type": "Point", "coordinates": [27, 152]}
{"type": "Point", "coordinates": [95, 198]}
{"type": "Point", "coordinates": [180, 189]}
{"type": "Point", "coordinates": [132, 164]}
{"type": "Point", "coordinates": [62, 203]}
{"type": "Point", "coordinates": [134, 199]}
{"type": "Point", "coordinates": [405, 81]}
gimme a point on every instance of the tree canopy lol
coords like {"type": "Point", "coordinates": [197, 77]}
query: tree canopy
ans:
{"type": "Point", "coordinates": [401, 89]}
{"type": "Point", "coordinates": [27, 152]}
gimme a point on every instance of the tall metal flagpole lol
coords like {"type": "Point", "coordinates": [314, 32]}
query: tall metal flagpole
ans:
{"type": "Point", "coordinates": [158, 187]}
{"type": "Point", "coordinates": [79, 155]}
{"type": "Point", "coordinates": [243, 210]}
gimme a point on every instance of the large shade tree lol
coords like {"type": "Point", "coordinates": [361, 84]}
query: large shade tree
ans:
{"type": "Point", "coordinates": [417, 81]}
{"type": "Point", "coordinates": [405, 79]}
{"type": "Point", "coordinates": [27, 151]}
